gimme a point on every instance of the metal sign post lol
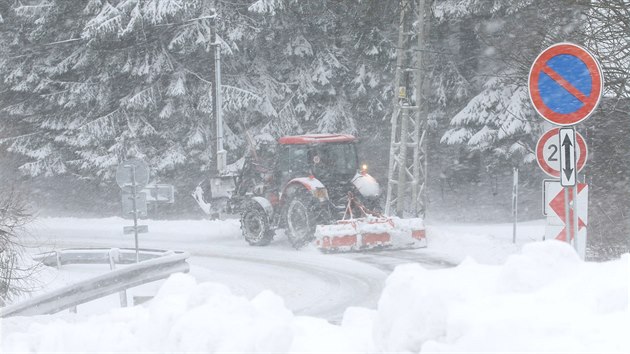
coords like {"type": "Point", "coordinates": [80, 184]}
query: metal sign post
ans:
{"type": "Point", "coordinates": [135, 208]}
{"type": "Point", "coordinates": [128, 207]}
{"type": "Point", "coordinates": [568, 177]}
{"type": "Point", "coordinates": [576, 224]}
{"type": "Point", "coordinates": [567, 214]}
{"type": "Point", "coordinates": [515, 203]}
{"type": "Point", "coordinates": [132, 176]}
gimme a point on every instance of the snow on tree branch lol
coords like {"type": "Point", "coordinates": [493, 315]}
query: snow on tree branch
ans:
{"type": "Point", "coordinates": [267, 6]}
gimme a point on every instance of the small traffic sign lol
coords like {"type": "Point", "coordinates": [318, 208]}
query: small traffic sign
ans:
{"type": "Point", "coordinates": [565, 84]}
{"type": "Point", "coordinates": [141, 229]}
{"type": "Point", "coordinates": [548, 150]}
{"type": "Point", "coordinates": [159, 193]}
{"type": "Point", "coordinates": [129, 208]}
{"type": "Point", "coordinates": [568, 175]}
{"type": "Point", "coordinates": [132, 172]}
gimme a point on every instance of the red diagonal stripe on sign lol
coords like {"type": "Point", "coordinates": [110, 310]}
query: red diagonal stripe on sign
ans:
{"type": "Point", "coordinates": [557, 205]}
{"type": "Point", "coordinates": [562, 236]}
{"type": "Point", "coordinates": [565, 84]}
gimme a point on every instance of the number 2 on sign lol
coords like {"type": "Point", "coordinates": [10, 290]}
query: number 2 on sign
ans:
{"type": "Point", "coordinates": [553, 154]}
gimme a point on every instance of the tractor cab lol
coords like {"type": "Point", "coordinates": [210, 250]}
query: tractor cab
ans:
{"type": "Point", "coordinates": [330, 158]}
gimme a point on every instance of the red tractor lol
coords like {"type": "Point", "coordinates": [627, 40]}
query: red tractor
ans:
{"type": "Point", "coordinates": [310, 185]}
{"type": "Point", "coordinates": [313, 187]}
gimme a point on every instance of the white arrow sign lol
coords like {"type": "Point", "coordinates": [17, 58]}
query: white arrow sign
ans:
{"type": "Point", "coordinates": [568, 170]}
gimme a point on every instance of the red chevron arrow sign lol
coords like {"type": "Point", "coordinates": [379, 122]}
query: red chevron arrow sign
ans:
{"type": "Point", "coordinates": [557, 205]}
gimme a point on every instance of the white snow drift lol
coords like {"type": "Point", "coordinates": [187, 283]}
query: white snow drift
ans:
{"type": "Point", "coordinates": [543, 300]}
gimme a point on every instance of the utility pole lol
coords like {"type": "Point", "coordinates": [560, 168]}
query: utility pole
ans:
{"type": "Point", "coordinates": [407, 179]}
{"type": "Point", "coordinates": [217, 124]}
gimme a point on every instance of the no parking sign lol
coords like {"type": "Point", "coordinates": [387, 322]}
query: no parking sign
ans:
{"type": "Point", "coordinates": [565, 84]}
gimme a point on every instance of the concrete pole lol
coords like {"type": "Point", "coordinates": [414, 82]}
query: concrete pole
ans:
{"type": "Point", "coordinates": [514, 203]}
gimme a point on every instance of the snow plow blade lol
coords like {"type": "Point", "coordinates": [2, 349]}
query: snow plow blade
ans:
{"type": "Point", "coordinates": [370, 233]}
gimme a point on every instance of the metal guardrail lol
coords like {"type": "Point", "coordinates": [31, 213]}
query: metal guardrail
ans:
{"type": "Point", "coordinates": [154, 265]}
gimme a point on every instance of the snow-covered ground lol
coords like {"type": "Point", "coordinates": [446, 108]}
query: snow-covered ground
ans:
{"type": "Point", "coordinates": [501, 297]}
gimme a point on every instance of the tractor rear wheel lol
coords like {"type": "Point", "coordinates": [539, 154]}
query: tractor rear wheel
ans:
{"type": "Point", "coordinates": [255, 225]}
{"type": "Point", "coordinates": [304, 213]}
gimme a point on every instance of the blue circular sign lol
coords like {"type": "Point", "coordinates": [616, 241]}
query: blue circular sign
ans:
{"type": "Point", "coordinates": [565, 84]}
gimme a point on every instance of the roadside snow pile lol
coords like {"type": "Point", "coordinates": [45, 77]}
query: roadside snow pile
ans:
{"type": "Point", "coordinates": [183, 317]}
{"type": "Point", "coordinates": [543, 300]}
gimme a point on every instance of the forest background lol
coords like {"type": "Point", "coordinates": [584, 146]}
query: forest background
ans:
{"type": "Point", "coordinates": [86, 84]}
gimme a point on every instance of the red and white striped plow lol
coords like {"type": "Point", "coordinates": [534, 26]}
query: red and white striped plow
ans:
{"type": "Point", "coordinates": [371, 232]}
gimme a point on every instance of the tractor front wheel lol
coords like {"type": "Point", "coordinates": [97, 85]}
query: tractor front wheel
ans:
{"type": "Point", "coordinates": [255, 225]}
{"type": "Point", "coordinates": [304, 213]}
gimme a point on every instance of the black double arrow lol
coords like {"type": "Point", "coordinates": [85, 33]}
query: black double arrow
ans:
{"type": "Point", "coordinates": [567, 157]}
{"type": "Point", "coordinates": [567, 146]}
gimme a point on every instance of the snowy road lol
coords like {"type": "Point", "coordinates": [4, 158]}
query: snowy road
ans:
{"type": "Point", "coordinates": [494, 301]}
{"type": "Point", "coordinates": [312, 283]}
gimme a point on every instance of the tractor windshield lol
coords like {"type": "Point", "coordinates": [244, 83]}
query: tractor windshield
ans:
{"type": "Point", "coordinates": [325, 161]}
{"type": "Point", "coordinates": [335, 160]}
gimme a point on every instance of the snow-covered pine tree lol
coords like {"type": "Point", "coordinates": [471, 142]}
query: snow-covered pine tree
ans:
{"type": "Point", "coordinates": [496, 121]}
{"type": "Point", "coordinates": [297, 69]}
{"type": "Point", "coordinates": [110, 79]}
{"type": "Point", "coordinates": [499, 119]}
{"type": "Point", "coordinates": [93, 84]}
{"type": "Point", "coordinates": [325, 66]}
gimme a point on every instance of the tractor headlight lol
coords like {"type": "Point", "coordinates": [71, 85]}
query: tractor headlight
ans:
{"type": "Point", "coordinates": [321, 194]}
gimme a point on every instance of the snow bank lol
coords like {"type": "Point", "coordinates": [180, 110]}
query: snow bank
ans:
{"type": "Point", "coordinates": [183, 317]}
{"type": "Point", "coordinates": [542, 300]}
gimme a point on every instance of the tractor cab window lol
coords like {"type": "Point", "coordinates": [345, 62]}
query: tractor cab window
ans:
{"type": "Point", "coordinates": [335, 160]}
{"type": "Point", "coordinates": [293, 161]}
{"type": "Point", "coordinates": [325, 160]}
